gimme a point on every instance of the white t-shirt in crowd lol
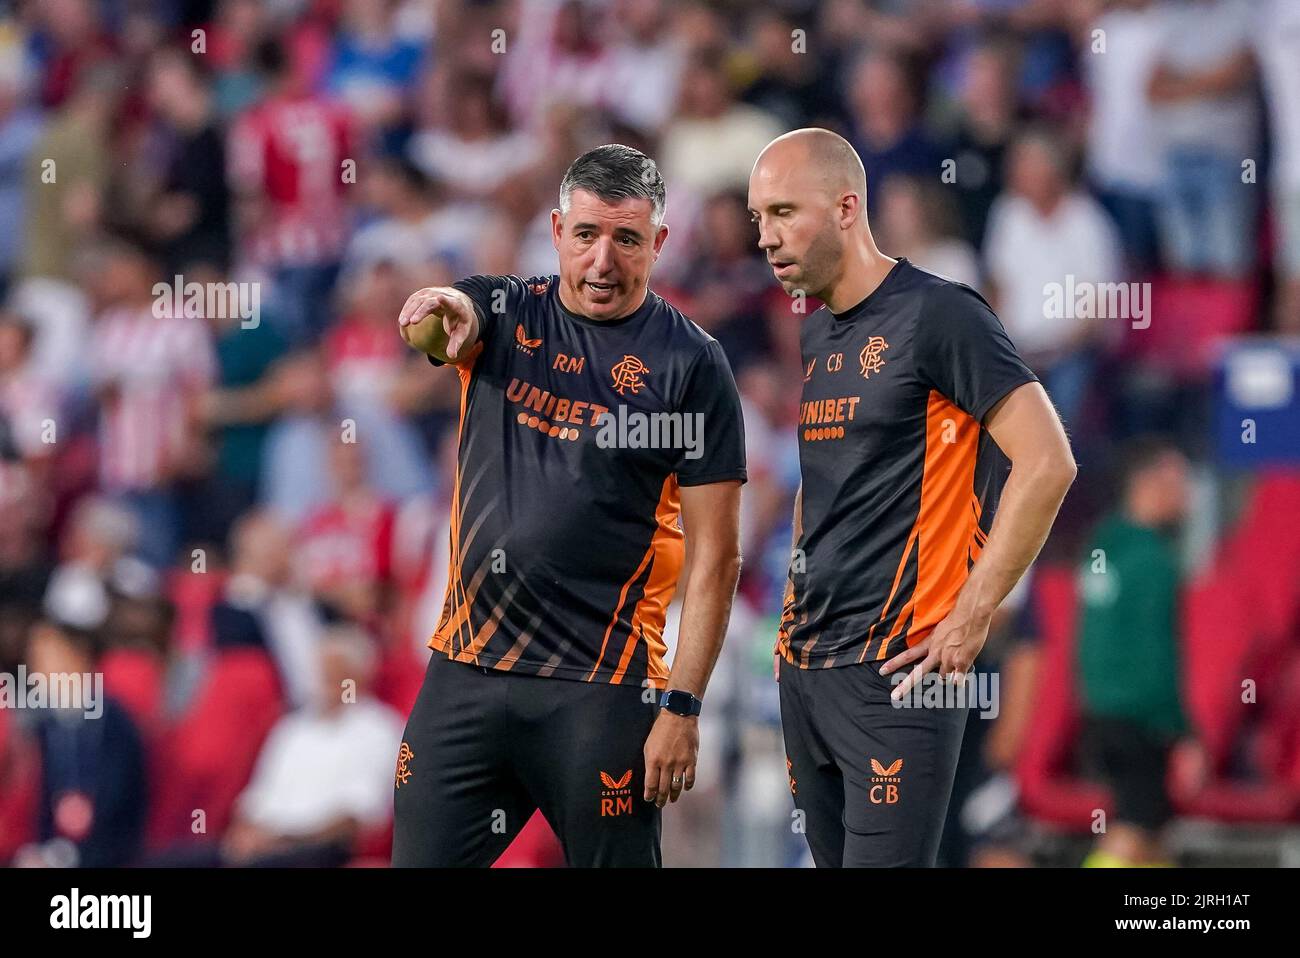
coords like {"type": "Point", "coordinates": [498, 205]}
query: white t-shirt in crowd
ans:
{"type": "Point", "coordinates": [1026, 251]}
{"type": "Point", "coordinates": [950, 258]}
{"type": "Point", "coordinates": [1277, 50]}
{"type": "Point", "coordinates": [1200, 35]}
{"type": "Point", "coordinates": [708, 156]}
{"type": "Point", "coordinates": [1123, 147]}
{"type": "Point", "coordinates": [317, 767]}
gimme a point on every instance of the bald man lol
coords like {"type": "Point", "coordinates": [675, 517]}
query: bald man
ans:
{"type": "Point", "coordinates": [914, 405]}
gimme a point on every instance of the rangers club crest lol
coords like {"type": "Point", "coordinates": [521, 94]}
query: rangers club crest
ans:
{"type": "Point", "coordinates": [627, 374]}
{"type": "Point", "coordinates": [870, 356]}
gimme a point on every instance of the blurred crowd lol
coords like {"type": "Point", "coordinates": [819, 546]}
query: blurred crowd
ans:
{"type": "Point", "coordinates": [235, 512]}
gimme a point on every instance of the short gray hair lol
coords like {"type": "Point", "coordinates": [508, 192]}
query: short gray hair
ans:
{"type": "Point", "coordinates": [614, 172]}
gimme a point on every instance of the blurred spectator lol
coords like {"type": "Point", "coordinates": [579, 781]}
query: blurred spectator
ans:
{"type": "Point", "coordinates": [886, 127]}
{"type": "Point", "coordinates": [189, 218]}
{"type": "Point", "coordinates": [93, 788]}
{"type": "Point", "coordinates": [71, 43]}
{"type": "Point", "coordinates": [151, 372]}
{"type": "Point", "coordinates": [325, 773]}
{"type": "Point", "coordinates": [1277, 49]}
{"type": "Point", "coordinates": [476, 152]}
{"type": "Point", "coordinates": [345, 547]}
{"type": "Point", "coordinates": [237, 411]}
{"type": "Point", "coordinates": [368, 373]}
{"type": "Point", "coordinates": [29, 404]}
{"type": "Point", "coordinates": [263, 583]}
{"type": "Point", "coordinates": [405, 227]}
{"type": "Point", "coordinates": [645, 64]}
{"type": "Point", "coordinates": [1129, 668]}
{"type": "Point", "coordinates": [725, 286]}
{"type": "Point", "coordinates": [67, 175]}
{"type": "Point", "coordinates": [916, 222]}
{"type": "Point", "coordinates": [711, 144]}
{"type": "Point", "coordinates": [293, 479]}
{"type": "Point", "coordinates": [564, 58]}
{"type": "Point", "coordinates": [287, 156]}
{"type": "Point", "coordinates": [1206, 119]}
{"type": "Point", "coordinates": [231, 39]}
{"type": "Point", "coordinates": [984, 827]}
{"type": "Point", "coordinates": [97, 563]}
{"type": "Point", "coordinates": [20, 130]}
{"type": "Point", "coordinates": [989, 119]}
{"type": "Point", "coordinates": [1045, 231]}
{"type": "Point", "coordinates": [791, 84]}
{"type": "Point", "coordinates": [1125, 156]}
{"type": "Point", "coordinates": [29, 413]}
{"type": "Point", "coordinates": [374, 63]}
{"type": "Point", "coordinates": [295, 472]}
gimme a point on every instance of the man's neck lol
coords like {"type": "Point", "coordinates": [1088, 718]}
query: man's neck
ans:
{"type": "Point", "coordinates": [862, 276]}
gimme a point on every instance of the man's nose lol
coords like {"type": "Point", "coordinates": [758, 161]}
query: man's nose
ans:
{"type": "Point", "coordinates": [604, 260]}
{"type": "Point", "coordinates": [767, 239]}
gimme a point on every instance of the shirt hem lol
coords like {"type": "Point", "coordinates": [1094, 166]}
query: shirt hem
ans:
{"type": "Point", "coordinates": [566, 672]}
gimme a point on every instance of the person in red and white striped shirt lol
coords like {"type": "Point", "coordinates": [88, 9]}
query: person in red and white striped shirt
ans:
{"type": "Point", "coordinates": [286, 169]}
{"type": "Point", "coordinates": [150, 372]}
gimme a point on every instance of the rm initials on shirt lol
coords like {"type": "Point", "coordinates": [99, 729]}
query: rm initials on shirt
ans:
{"type": "Point", "coordinates": [568, 364]}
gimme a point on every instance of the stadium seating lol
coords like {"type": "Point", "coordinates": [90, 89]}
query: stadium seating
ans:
{"type": "Point", "coordinates": [1241, 620]}
{"type": "Point", "coordinates": [1050, 791]}
{"type": "Point", "coordinates": [1219, 648]}
{"type": "Point", "coordinates": [1189, 317]}
{"type": "Point", "coordinates": [206, 759]}
{"type": "Point", "coordinates": [19, 784]}
{"type": "Point", "coordinates": [534, 847]}
{"type": "Point", "coordinates": [134, 678]}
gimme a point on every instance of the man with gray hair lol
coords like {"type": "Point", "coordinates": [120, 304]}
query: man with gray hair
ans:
{"type": "Point", "coordinates": [550, 687]}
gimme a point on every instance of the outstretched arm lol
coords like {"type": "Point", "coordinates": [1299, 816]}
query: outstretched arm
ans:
{"type": "Point", "coordinates": [440, 321]}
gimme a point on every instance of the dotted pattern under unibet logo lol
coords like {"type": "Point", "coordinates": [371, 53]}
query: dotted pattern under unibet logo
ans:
{"type": "Point", "coordinates": [546, 428]}
{"type": "Point", "coordinates": [823, 432]}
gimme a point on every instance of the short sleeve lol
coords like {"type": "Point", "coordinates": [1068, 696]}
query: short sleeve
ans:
{"type": "Point", "coordinates": [963, 351]}
{"type": "Point", "coordinates": [712, 402]}
{"type": "Point", "coordinates": [489, 295]}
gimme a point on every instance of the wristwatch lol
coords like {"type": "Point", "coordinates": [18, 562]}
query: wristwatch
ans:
{"type": "Point", "coordinates": [680, 702]}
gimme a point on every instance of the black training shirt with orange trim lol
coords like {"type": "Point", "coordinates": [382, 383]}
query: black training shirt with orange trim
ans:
{"type": "Point", "coordinates": [900, 479]}
{"type": "Point", "coordinates": [565, 548]}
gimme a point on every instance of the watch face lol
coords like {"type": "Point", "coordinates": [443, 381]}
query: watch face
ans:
{"type": "Point", "coordinates": [679, 702]}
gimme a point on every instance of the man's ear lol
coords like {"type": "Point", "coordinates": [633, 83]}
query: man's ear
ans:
{"type": "Point", "coordinates": [850, 209]}
{"type": "Point", "coordinates": [661, 236]}
{"type": "Point", "coordinates": [557, 228]}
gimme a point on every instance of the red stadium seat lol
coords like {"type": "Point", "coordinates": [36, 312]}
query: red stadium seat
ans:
{"type": "Point", "coordinates": [194, 594]}
{"type": "Point", "coordinates": [399, 677]}
{"type": "Point", "coordinates": [534, 847]}
{"type": "Point", "coordinates": [1050, 792]}
{"type": "Point", "coordinates": [1264, 553]}
{"type": "Point", "coordinates": [1189, 318]}
{"type": "Point", "coordinates": [207, 758]}
{"type": "Point", "coordinates": [134, 678]}
{"type": "Point", "coordinates": [1220, 649]}
{"type": "Point", "coordinates": [19, 784]}
{"type": "Point", "coordinates": [1216, 645]}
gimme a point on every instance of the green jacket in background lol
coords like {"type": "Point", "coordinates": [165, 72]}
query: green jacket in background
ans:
{"type": "Point", "coordinates": [1128, 627]}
